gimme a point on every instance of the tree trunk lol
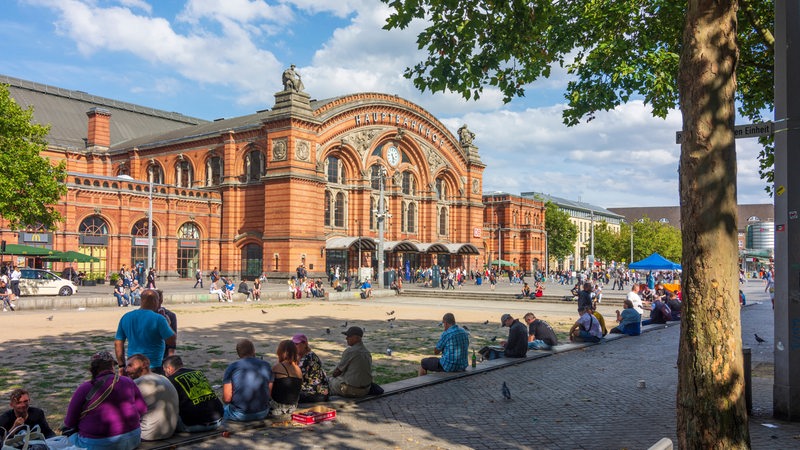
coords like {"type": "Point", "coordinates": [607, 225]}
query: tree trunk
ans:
{"type": "Point", "coordinates": [711, 406]}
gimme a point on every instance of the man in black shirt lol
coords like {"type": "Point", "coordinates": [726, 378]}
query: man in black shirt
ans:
{"type": "Point", "coordinates": [540, 334]}
{"type": "Point", "coordinates": [199, 408]}
{"type": "Point", "coordinates": [517, 344]}
{"type": "Point", "coordinates": [21, 413]}
{"type": "Point", "coordinates": [585, 296]}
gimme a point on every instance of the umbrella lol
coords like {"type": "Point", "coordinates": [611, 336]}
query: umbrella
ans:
{"type": "Point", "coordinates": [27, 250]}
{"type": "Point", "coordinates": [502, 262]}
{"type": "Point", "coordinates": [655, 262]}
{"type": "Point", "coordinates": [71, 256]}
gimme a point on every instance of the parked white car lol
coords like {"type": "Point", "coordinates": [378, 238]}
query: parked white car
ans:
{"type": "Point", "coordinates": [44, 282]}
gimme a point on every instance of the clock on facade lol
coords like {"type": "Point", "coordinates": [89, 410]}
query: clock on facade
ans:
{"type": "Point", "coordinates": [393, 156]}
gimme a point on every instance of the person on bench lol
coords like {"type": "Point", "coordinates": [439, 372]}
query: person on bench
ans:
{"type": "Point", "coordinates": [630, 321]}
{"type": "Point", "coordinates": [246, 385]}
{"type": "Point", "coordinates": [586, 328]}
{"type": "Point", "coordinates": [526, 292]}
{"type": "Point", "coordinates": [159, 394]}
{"type": "Point", "coordinates": [199, 408]}
{"type": "Point", "coordinates": [315, 382]}
{"type": "Point", "coordinates": [352, 377]}
{"type": "Point", "coordinates": [453, 345]}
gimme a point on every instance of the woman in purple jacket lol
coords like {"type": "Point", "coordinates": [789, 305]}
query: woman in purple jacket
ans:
{"type": "Point", "coordinates": [106, 409]}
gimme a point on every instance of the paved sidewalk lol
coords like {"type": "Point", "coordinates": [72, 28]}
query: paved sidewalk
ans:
{"type": "Point", "coordinates": [585, 399]}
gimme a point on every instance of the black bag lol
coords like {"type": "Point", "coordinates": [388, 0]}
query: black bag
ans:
{"type": "Point", "coordinates": [363, 295]}
{"type": "Point", "coordinates": [374, 389]}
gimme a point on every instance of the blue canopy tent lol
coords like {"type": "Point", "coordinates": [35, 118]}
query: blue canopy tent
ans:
{"type": "Point", "coordinates": [655, 262]}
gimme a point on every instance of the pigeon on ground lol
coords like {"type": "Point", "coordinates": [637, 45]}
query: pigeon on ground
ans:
{"type": "Point", "coordinates": [263, 312]}
{"type": "Point", "coordinates": [486, 323]}
{"type": "Point", "coordinates": [759, 339]}
{"type": "Point", "coordinates": [391, 319]}
{"type": "Point", "coordinates": [344, 325]}
{"type": "Point", "coordinates": [391, 324]}
{"type": "Point", "coordinates": [390, 313]}
{"type": "Point", "coordinates": [494, 338]}
{"type": "Point", "coordinates": [506, 391]}
{"type": "Point", "coordinates": [327, 331]}
{"type": "Point", "coordinates": [466, 328]}
{"type": "Point", "coordinates": [389, 352]}
{"type": "Point", "coordinates": [50, 318]}
{"type": "Point", "coordinates": [440, 324]}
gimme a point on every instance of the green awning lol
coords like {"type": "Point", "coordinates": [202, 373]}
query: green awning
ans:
{"type": "Point", "coordinates": [71, 256]}
{"type": "Point", "coordinates": [27, 250]}
{"type": "Point", "coordinates": [502, 262]}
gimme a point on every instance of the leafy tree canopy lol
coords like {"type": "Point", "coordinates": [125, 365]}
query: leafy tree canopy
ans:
{"type": "Point", "coordinates": [648, 237]}
{"type": "Point", "coordinates": [29, 185]}
{"type": "Point", "coordinates": [561, 233]}
{"type": "Point", "coordinates": [614, 50]}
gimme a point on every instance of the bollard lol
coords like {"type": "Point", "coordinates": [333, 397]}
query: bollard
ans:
{"type": "Point", "coordinates": [748, 388]}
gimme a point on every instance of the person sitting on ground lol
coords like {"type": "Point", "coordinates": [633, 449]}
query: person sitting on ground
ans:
{"type": "Point", "coordinates": [526, 292]}
{"type": "Point", "coordinates": [244, 289]}
{"type": "Point", "coordinates": [315, 382]}
{"type": "Point", "coordinates": [199, 408]}
{"type": "Point", "coordinates": [106, 410]}
{"type": "Point", "coordinates": [540, 334]}
{"type": "Point", "coordinates": [159, 394]}
{"type": "Point", "coordinates": [586, 328]}
{"type": "Point", "coordinates": [215, 289]}
{"type": "Point", "coordinates": [352, 377]}
{"type": "Point", "coordinates": [320, 288]}
{"type": "Point", "coordinates": [288, 379]}
{"type": "Point", "coordinates": [674, 304]}
{"type": "Point", "coordinates": [337, 285]}
{"type": "Point", "coordinates": [635, 299]}
{"type": "Point", "coordinates": [630, 321]}
{"type": "Point", "coordinates": [659, 313]}
{"type": "Point", "coordinates": [600, 319]}
{"type": "Point", "coordinates": [539, 290]}
{"type": "Point", "coordinates": [396, 286]}
{"type": "Point", "coordinates": [119, 293]}
{"type": "Point", "coordinates": [246, 385]}
{"type": "Point", "coordinates": [517, 344]}
{"type": "Point", "coordinates": [366, 289]}
{"type": "Point", "coordinates": [21, 414]}
{"type": "Point", "coordinates": [453, 345]}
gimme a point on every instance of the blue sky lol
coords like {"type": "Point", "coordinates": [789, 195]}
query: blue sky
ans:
{"type": "Point", "coordinates": [223, 58]}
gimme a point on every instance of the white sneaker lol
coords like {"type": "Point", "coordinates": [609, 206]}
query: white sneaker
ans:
{"type": "Point", "coordinates": [13, 305]}
{"type": "Point", "coordinates": [4, 309]}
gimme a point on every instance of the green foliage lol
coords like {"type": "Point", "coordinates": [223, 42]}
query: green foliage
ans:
{"type": "Point", "coordinates": [648, 237]}
{"type": "Point", "coordinates": [614, 50]}
{"type": "Point", "coordinates": [561, 233]}
{"type": "Point", "coordinates": [29, 185]}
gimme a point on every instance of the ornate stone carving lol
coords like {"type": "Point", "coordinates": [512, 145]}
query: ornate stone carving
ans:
{"type": "Point", "coordinates": [435, 160]}
{"type": "Point", "coordinates": [302, 150]}
{"type": "Point", "coordinates": [279, 149]}
{"type": "Point", "coordinates": [360, 140]}
{"type": "Point", "coordinates": [476, 187]}
{"type": "Point", "coordinates": [291, 80]}
{"type": "Point", "coordinates": [397, 178]}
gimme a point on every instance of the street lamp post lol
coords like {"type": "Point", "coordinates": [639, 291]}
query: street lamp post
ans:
{"type": "Point", "coordinates": [381, 216]}
{"type": "Point", "coordinates": [150, 226]}
{"type": "Point", "coordinates": [631, 260]}
{"type": "Point", "coordinates": [591, 245]}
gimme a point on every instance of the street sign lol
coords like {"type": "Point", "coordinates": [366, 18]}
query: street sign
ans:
{"type": "Point", "coordinates": [743, 131]}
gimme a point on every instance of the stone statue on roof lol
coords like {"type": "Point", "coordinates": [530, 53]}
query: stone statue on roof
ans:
{"type": "Point", "coordinates": [465, 136]}
{"type": "Point", "coordinates": [291, 80]}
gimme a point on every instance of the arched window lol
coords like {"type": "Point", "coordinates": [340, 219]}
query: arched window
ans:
{"type": "Point", "coordinates": [338, 210]}
{"type": "Point", "coordinates": [188, 250]}
{"type": "Point", "coordinates": [327, 208]}
{"type": "Point", "coordinates": [373, 205]}
{"type": "Point", "coordinates": [214, 171]}
{"type": "Point", "coordinates": [335, 170]}
{"type": "Point", "coordinates": [375, 176]}
{"type": "Point", "coordinates": [93, 241]}
{"type": "Point", "coordinates": [254, 165]}
{"type": "Point", "coordinates": [409, 183]}
{"type": "Point", "coordinates": [155, 173]}
{"type": "Point", "coordinates": [411, 218]}
{"type": "Point", "coordinates": [443, 222]}
{"type": "Point", "coordinates": [441, 189]}
{"type": "Point", "coordinates": [139, 245]}
{"type": "Point", "coordinates": [183, 174]}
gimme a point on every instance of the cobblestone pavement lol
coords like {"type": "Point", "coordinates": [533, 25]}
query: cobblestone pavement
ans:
{"type": "Point", "coordinates": [584, 399]}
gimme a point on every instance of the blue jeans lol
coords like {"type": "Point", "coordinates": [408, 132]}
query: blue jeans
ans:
{"type": "Point", "coordinates": [183, 428]}
{"type": "Point", "coordinates": [126, 441]}
{"type": "Point", "coordinates": [538, 344]}
{"type": "Point", "coordinates": [122, 299]}
{"type": "Point", "coordinates": [238, 416]}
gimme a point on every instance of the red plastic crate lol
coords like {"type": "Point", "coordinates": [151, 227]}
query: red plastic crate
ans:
{"type": "Point", "coordinates": [314, 415]}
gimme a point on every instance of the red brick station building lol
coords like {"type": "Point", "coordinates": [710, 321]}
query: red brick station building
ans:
{"type": "Point", "coordinates": [298, 183]}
